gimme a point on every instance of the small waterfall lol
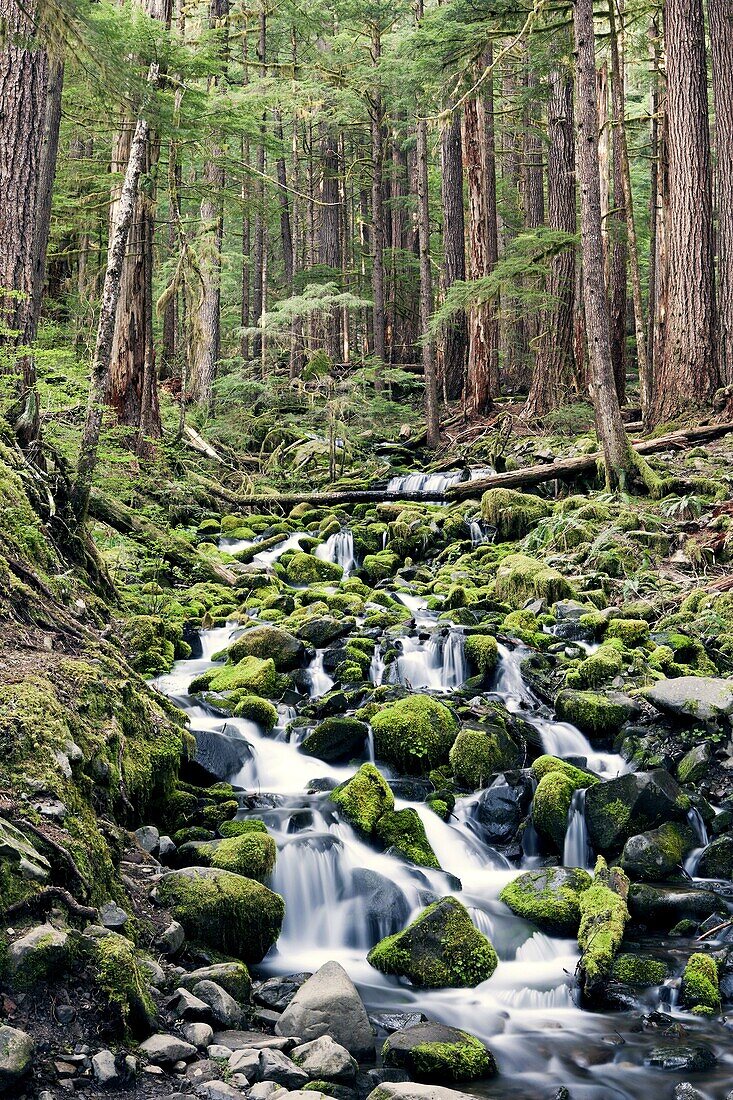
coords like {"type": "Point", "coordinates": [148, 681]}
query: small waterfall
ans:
{"type": "Point", "coordinates": [376, 668]}
{"type": "Point", "coordinates": [480, 532]}
{"type": "Point", "coordinates": [312, 873]}
{"type": "Point", "coordinates": [530, 844]}
{"type": "Point", "coordinates": [577, 852]}
{"type": "Point", "coordinates": [423, 483]}
{"type": "Point", "coordinates": [370, 745]}
{"type": "Point", "coordinates": [267, 557]}
{"type": "Point", "coordinates": [318, 679]}
{"type": "Point", "coordinates": [438, 664]}
{"type": "Point", "coordinates": [701, 834]}
{"type": "Point", "coordinates": [339, 548]}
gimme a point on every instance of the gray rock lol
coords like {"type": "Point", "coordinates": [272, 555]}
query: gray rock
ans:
{"type": "Point", "coordinates": [218, 1053]}
{"type": "Point", "coordinates": [401, 1049]}
{"type": "Point", "coordinates": [198, 1073]}
{"type": "Point", "coordinates": [166, 1050]}
{"type": "Point", "coordinates": [694, 764]}
{"type": "Point", "coordinates": [112, 916]}
{"type": "Point", "coordinates": [685, 1091]}
{"type": "Point", "coordinates": [254, 1040]}
{"type": "Point", "coordinates": [409, 1090]}
{"type": "Point", "coordinates": [201, 1035]}
{"type": "Point", "coordinates": [696, 698]}
{"type": "Point", "coordinates": [661, 907]}
{"type": "Point", "coordinates": [105, 1070]}
{"type": "Point", "coordinates": [16, 1056]}
{"type": "Point", "coordinates": [381, 901]}
{"type": "Point", "coordinates": [166, 848]}
{"type": "Point", "coordinates": [246, 1062]}
{"type": "Point", "coordinates": [172, 939]}
{"type": "Point", "coordinates": [224, 1009]}
{"type": "Point", "coordinates": [682, 1058]}
{"type": "Point", "coordinates": [218, 1090]}
{"type": "Point", "coordinates": [328, 1004]}
{"type": "Point", "coordinates": [231, 976]}
{"type": "Point", "coordinates": [154, 970]}
{"type": "Point", "coordinates": [276, 1066]}
{"type": "Point", "coordinates": [648, 799]}
{"type": "Point", "coordinates": [186, 1006]}
{"type": "Point", "coordinates": [395, 1021]}
{"type": "Point", "coordinates": [322, 1059]}
{"type": "Point", "coordinates": [263, 1090]}
{"type": "Point", "coordinates": [41, 949]}
{"type": "Point", "coordinates": [148, 838]}
{"type": "Point", "coordinates": [16, 848]}
{"type": "Point", "coordinates": [277, 993]}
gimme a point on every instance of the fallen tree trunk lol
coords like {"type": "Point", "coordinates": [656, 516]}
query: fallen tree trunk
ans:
{"type": "Point", "coordinates": [568, 468]}
{"type": "Point", "coordinates": [173, 549]}
{"type": "Point", "coordinates": [565, 469]}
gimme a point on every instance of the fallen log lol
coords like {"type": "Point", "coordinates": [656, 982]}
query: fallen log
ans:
{"type": "Point", "coordinates": [344, 496]}
{"type": "Point", "coordinates": [173, 549]}
{"type": "Point", "coordinates": [569, 468]}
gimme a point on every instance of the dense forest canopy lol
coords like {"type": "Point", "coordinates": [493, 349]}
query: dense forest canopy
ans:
{"type": "Point", "coordinates": [366, 602]}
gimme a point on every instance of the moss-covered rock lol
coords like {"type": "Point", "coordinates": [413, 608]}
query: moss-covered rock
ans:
{"type": "Point", "coordinates": [308, 569]}
{"type": "Point", "coordinates": [441, 948]}
{"type": "Point", "coordinates": [599, 668]}
{"type": "Point", "coordinates": [364, 798]}
{"type": "Point", "coordinates": [595, 714]}
{"type": "Point", "coordinates": [336, 739]}
{"type": "Point", "coordinates": [549, 897]}
{"type": "Point", "coordinates": [258, 710]}
{"type": "Point", "coordinates": [231, 976]}
{"type": "Point", "coordinates": [639, 970]}
{"type": "Point", "coordinates": [543, 765]}
{"type": "Point", "coordinates": [414, 734]}
{"type": "Point", "coordinates": [223, 910]}
{"type": "Point", "coordinates": [123, 985]}
{"type": "Point", "coordinates": [482, 654]}
{"type": "Point", "coordinates": [551, 805]}
{"type": "Point", "coordinates": [153, 643]}
{"type": "Point", "coordinates": [251, 854]}
{"type": "Point", "coordinates": [717, 859]}
{"type": "Point", "coordinates": [520, 579]}
{"type": "Point", "coordinates": [250, 675]}
{"type": "Point", "coordinates": [655, 855]}
{"type": "Point", "coordinates": [631, 632]}
{"type": "Point", "coordinates": [700, 985]}
{"type": "Point", "coordinates": [239, 828]}
{"type": "Point", "coordinates": [435, 1052]}
{"type": "Point", "coordinates": [268, 642]}
{"type": "Point", "coordinates": [479, 753]}
{"type": "Point", "coordinates": [513, 514]}
{"type": "Point", "coordinates": [631, 804]}
{"type": "Point", "coordinates": [405, 831]}
{"type": "Point", "coordinates": [603, 918]}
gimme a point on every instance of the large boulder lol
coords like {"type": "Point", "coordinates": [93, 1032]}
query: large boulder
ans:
{"type": "Point", "coordinates": [252, 854]}
{"type": "Point", "coordinates": [549, 897]}
{"type": "Point", "coordinates": [631, 804]}
{"type": "Point", "coordinates": [414, 734]}
{"type": "Point", "coordinates": [717, 859]}
{"type": "Point", "coordinates": [550, 807]}
{"type": "Point", "coordinates": [269, 641]}
{"type": "Point", "coordinates": [440, 949]}
{"type": "Point", "coordinates": [381, 902]}
{"type": "Point", "coordinates": [595, 714]}
{"type": "Point", "coordinates": [323, 1059]}
{"type": "Point", "coordinates": [501, 809]}
{"type": "Point", "coordinates": [38, 954]}
{"type": "Point", "coordinates": [411, 1090]}
{"type": "Point", "coordinates": [694, 699]}
{"type": "Point", "coordinates": [435, 1052]}
{"type": "Point", "coordinates": [220, 754]}
{"type": "Point", "coordinates": [328, 1004]}
{"type": "Point", "coordinates": [655, 855]}
{"type": "Point", "coordinates": [404, 831]}
{"type": "Point", "coordinates": [227, 912]}
{"type": "Point", "coordinates": [512, 513]}
{"type": "Point", "coordinates": [364, 798]}
{"type": "Point", "coordinates": [479, 752]}
{"type": "Point", "coordinates": [336, 739]}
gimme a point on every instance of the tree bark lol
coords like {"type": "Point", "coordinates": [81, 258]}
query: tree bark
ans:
{"type": "Point", "coordinates": [617, 453]}
{"type": "Point", "coordinates": [258, 254]}
{"type": "Point", "coordinates": [378, 309]}
{"type": "Point", "coordinates": [554, 374]}
{"type": "Point", "coordinates": [618, 252]}
{"type": "Point", "coordinates": [455, 334]}
{"type": "Point", "coordinates": [49, 156]}
{"type": "Point", "coordinates": [329, 242]}
{"type": "Point", "coordinates": [720, 14]}
{"type": "Point", "coordinates": [432, 421]}
{"type": "Point", "coordinates": [124, 214]}
{"type": "Point", "coordinates": [687, 376]}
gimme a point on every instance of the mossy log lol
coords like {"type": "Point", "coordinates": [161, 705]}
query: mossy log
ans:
{"type": "Point", "coordinates": [566, 469]}
{"type": "Point", "coordinates": [173, 549]}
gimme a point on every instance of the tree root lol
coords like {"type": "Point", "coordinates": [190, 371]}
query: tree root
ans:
{"type": "Point", "coordinates": [42, 901]}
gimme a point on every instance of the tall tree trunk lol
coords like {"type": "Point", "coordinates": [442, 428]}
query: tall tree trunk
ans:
{"type": "Point", "coordinates": [329, 241]}
{"type": "Point", "coordinates": [258, 254]}
{"type": "Point", "coordinates": [455, 334]}
{"type": "Point", "coordinates": [426, 283]}
{"type": "Point", "coordinates": [132, 383]}
{"type": "Point", "coordinates": [618, 456]}
{"type": "Point", "coordinates": [124, 214]}
{"type": "Point", "coordinates": [534, 209]}
{"type": "Point", "coordinates": [618, 252]}
{"type": "Point", "coordinates": [49, 156]}
{"type": "Point", "coordinates": [246, 195]}
{"type": "Point", "coordinates": [554, 374]}
{"type": "Point", "coordinates": [628, 196]}
{"type": "Point", "coordinates": [688, 373]}
{"type": "Point", "coordinates": [378, 309]}
{"type": "Point", "coordinates": [720, 14]}
{"type": "Point", "coordinates": [648, 382]}
{"type": "Point", "coordinates": [481, 378]}
{"type": "Point", "coordinates": [24, 73]}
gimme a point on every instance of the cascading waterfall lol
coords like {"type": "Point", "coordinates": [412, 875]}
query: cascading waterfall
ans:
{"type": "Point", "coordinates": [423, 483]}
{"type": "Point", "coordinates": [701, 834]}
{"type": "Point", "coordinates": [577, 851]}
{"type": "Point", "coordinates": [339, 548]}
{"type": "Point", "coordinates": [376, 668]}
{"type": "Point", "coordinates": [319, 682]}
{"type": "Point", "coordinates": [436, 664]}
{"type": "Point", "coordinates": [480, 532]}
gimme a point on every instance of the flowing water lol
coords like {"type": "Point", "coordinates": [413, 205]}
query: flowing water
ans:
{"type": "Point", "coordinates": [339, 548]}
{"type": "Point", "coordinates": [342, 895]}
